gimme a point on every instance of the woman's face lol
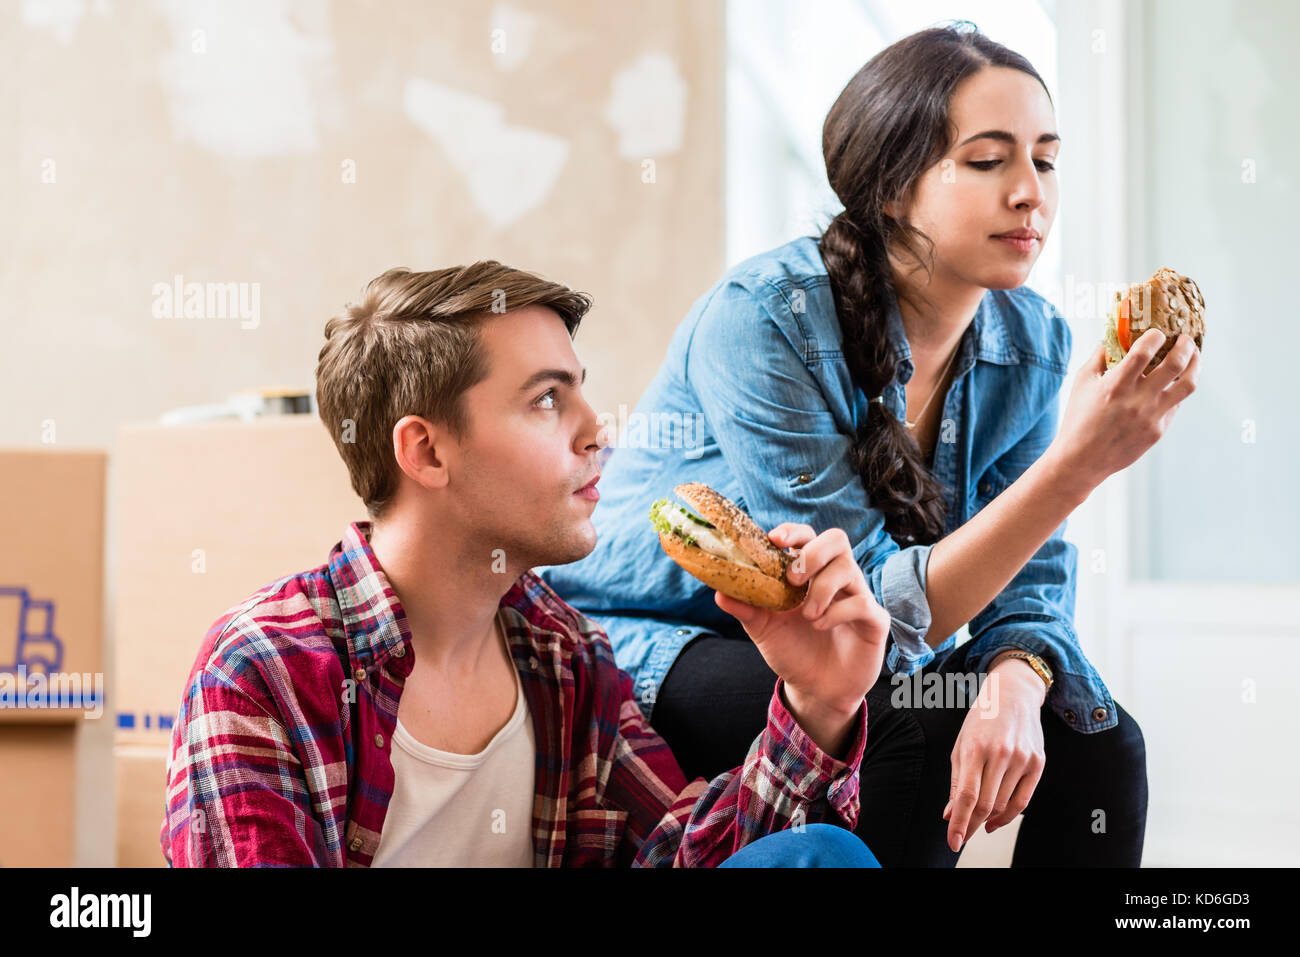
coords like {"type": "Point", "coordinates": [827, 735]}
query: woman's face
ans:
{"type": "Point", "coordinates": [997, 177]}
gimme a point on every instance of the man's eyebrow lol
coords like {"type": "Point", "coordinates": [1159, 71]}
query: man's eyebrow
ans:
{"type": "Point", "coordinates": [558, 375]}
{"type": "Point", "coordinates": [1005, 137]}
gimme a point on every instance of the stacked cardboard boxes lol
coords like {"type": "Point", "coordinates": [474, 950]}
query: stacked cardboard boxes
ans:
{"type": "Point", "coordinates": [51, 644]}
{"type": "Point", "coordinates": [207, 514]}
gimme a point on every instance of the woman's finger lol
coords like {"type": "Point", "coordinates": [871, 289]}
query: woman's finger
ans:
{"type": "Point", "coordinates": [1011, 779]}
{"type": "Point", "coordinates": [1129, 371]}
{"type": "Point", "coordinates": [1019, 797]}
{"type": "Point", "coordinates": [962, 799]}
{"type": "Point", "coordinates": [994, 773]}
{"type": "Point", "coordinates": [1173, 364]}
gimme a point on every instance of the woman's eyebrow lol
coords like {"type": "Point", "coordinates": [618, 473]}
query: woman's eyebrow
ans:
{"type": "Point", "coordinates": [1005, 137]}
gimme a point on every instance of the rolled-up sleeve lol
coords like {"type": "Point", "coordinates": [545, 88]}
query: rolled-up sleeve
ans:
{"type": "Point", "coordinates": [899, 585]}
{"type": "Point", "coordinates": [748, 364]}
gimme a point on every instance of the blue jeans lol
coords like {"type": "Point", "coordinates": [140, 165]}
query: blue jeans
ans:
{"type": "Point", "coordinates": [817, 845]}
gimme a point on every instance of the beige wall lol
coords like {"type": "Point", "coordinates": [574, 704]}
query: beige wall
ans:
{"type": "Point", "coordinates": [216, 141]}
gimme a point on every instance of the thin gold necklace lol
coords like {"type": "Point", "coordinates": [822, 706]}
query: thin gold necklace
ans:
{"type": "Point", "coordinates": [943, 375]}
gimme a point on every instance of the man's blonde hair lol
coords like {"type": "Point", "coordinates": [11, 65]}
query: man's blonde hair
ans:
{"type": "Point", "coordinates": [411, 347]}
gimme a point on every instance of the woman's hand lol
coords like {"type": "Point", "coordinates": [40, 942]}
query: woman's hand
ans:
{"type": "Point", "coordinates": [998, 758]}
{"type": "Point", "coordinates": [1113, 417]}
{"type": "Point", "coordinates": [830, 648]}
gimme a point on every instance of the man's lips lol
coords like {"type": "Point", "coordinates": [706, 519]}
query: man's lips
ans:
{"type": "Point", "coordinates": [588, 491]}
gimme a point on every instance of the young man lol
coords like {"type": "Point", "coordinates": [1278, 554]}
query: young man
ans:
{"type": "Point", "coordinates": [425, 699]}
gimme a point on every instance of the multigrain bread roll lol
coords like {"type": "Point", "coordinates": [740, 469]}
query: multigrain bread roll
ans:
{"type": "Point", "coordinates": [724, 548]}
{"type": "Point", "coordinates": [1167, 301]}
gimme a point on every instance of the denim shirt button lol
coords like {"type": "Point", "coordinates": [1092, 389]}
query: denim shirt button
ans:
{"type": "Point", "coordinates": [805, 478]}
{"type": "Point", "coordinates": [1098, 714]}
{"type": "Point", "coordinates": [683, 631]}
{"type": "Point", "coordinates": [1071, 717]}
{"type": "Point", "coordinates": [984, 488]}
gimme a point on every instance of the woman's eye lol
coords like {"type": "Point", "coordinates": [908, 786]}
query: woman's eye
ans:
{"type": "Point", "coordinates": [548, 395]}
{"type": "Point", "coordinates": [1044, 166]}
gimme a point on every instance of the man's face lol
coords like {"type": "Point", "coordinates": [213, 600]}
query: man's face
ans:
{"type": "Point", "coordinates": [986, 186]}
{"type": "Point", "coordinates": [531, 444]}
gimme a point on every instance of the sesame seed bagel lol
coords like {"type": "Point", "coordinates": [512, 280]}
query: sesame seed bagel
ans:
{"type": "Point", "coordinates": [732, 579]}
{"type": "Point", "coordinates": [734, 524]}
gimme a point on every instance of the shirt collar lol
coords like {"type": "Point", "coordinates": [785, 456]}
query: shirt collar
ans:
{"type": "Point", "coordinates": [375, 625]}
{"type": "Point", "coordinates": [987, 331]}
{"type": "Point", "coordinates": [373, 620]}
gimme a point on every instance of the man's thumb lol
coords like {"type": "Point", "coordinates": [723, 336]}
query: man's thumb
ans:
{"type": "Point", "coordinates": [737, 609]}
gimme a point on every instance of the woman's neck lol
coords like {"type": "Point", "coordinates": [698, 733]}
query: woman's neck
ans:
{"type": "Point", "coordinates": [935, 311]}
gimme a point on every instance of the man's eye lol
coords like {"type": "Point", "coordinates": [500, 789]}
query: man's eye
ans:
{"type": "Point", "coordinates": [549, 394]}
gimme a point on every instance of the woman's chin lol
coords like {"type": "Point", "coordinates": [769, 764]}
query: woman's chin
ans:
{"type": "Point", "coordinates": [1008, 277]}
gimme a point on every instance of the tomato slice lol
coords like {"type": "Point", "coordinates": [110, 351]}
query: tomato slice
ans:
{"type": "Point", "coordinates": [1122, 329]}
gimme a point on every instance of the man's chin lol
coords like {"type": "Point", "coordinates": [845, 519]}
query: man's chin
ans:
{"type": "Point", "coordinates": [570, 548]}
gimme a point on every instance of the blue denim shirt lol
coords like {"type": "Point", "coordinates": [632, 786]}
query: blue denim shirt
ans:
{"type": "Point", "coordinates": [756, 400]}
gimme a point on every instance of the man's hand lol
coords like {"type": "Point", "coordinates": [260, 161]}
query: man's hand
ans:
{"type": "Point", "coordinates": [830, 648]}
{"type": "Point", "coordinates": [998, 758]}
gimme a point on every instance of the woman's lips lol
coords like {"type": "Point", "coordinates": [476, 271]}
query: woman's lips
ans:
{"type": "Point", "coordinates": [1022, 245]}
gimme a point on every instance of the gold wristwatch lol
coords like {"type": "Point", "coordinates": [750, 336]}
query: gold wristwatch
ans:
{"type": "Point", "coordinates": [1035, 662]}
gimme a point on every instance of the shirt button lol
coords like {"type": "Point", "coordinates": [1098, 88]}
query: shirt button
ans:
{"type": "Point", "coordinates": [532, 663]}
{"type": "Point", "coordinates": [400, 652]}
{"type": "Point", "coordinates": [355, 844]}
{"type": "Point", "coordinates": [805, 478]}
{"type": "Point", "coordinates": [359, 674]}
{"type": "Point", "coordinates": [683, 631]}
{"type": "Point", "coordinates": [984, 488]}
{"type": "Point", "coordinates": [1071, 717]}
{"type": "Point", "coordinates": [379, 740]}
{"type": "Point", "coordinates": [1098, 714]}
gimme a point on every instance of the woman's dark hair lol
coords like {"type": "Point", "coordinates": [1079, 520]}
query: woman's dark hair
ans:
{"type": "Point", "coordinates": [888, 126]}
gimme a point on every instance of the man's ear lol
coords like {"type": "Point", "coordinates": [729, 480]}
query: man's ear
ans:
{"type": "Point", "coordinates": [420, 448]}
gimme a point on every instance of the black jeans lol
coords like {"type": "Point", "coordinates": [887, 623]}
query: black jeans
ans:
{"type": "Point", "coordinates": [713, 703]}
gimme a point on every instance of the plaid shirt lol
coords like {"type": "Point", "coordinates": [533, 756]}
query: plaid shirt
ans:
{"type": "Point", "coordinates": [280, 752]}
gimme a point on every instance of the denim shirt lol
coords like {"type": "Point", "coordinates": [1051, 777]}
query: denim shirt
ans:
{"type": "Point", "coordinates": [755, 399]}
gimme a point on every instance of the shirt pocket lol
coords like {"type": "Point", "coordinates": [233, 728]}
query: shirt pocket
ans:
{"type": "Point", "coordinates": [986, 488]}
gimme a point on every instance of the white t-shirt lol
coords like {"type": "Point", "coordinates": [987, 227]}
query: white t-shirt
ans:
{"type": "Point", "coordinates": [462, 810]}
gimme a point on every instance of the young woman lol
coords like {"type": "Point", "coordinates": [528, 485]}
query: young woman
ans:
{"type": "Point", "coordinates": [895, 378]}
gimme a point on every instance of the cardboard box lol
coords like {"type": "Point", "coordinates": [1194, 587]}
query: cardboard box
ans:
{"type": "Point", "coordinates": [38, 771]}
{"type": "Point", "coordinates": [51, 584]}
{"type": "Point", "coordinates": [141, 774]}
{"type": "Point", "coordinates": [206, 514]}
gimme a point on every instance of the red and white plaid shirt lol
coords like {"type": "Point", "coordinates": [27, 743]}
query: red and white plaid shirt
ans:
{"type": "Point", "coordinates": [280, 752]}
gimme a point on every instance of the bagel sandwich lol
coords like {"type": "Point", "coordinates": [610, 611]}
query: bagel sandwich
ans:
{"type": "Point", "coordinates": [1167, 301]}
{"type": "Point", "coordinates": [724, 548]}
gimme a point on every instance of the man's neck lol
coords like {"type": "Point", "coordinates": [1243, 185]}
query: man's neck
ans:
{"type": "Point", "coordinates": [450, 598]}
